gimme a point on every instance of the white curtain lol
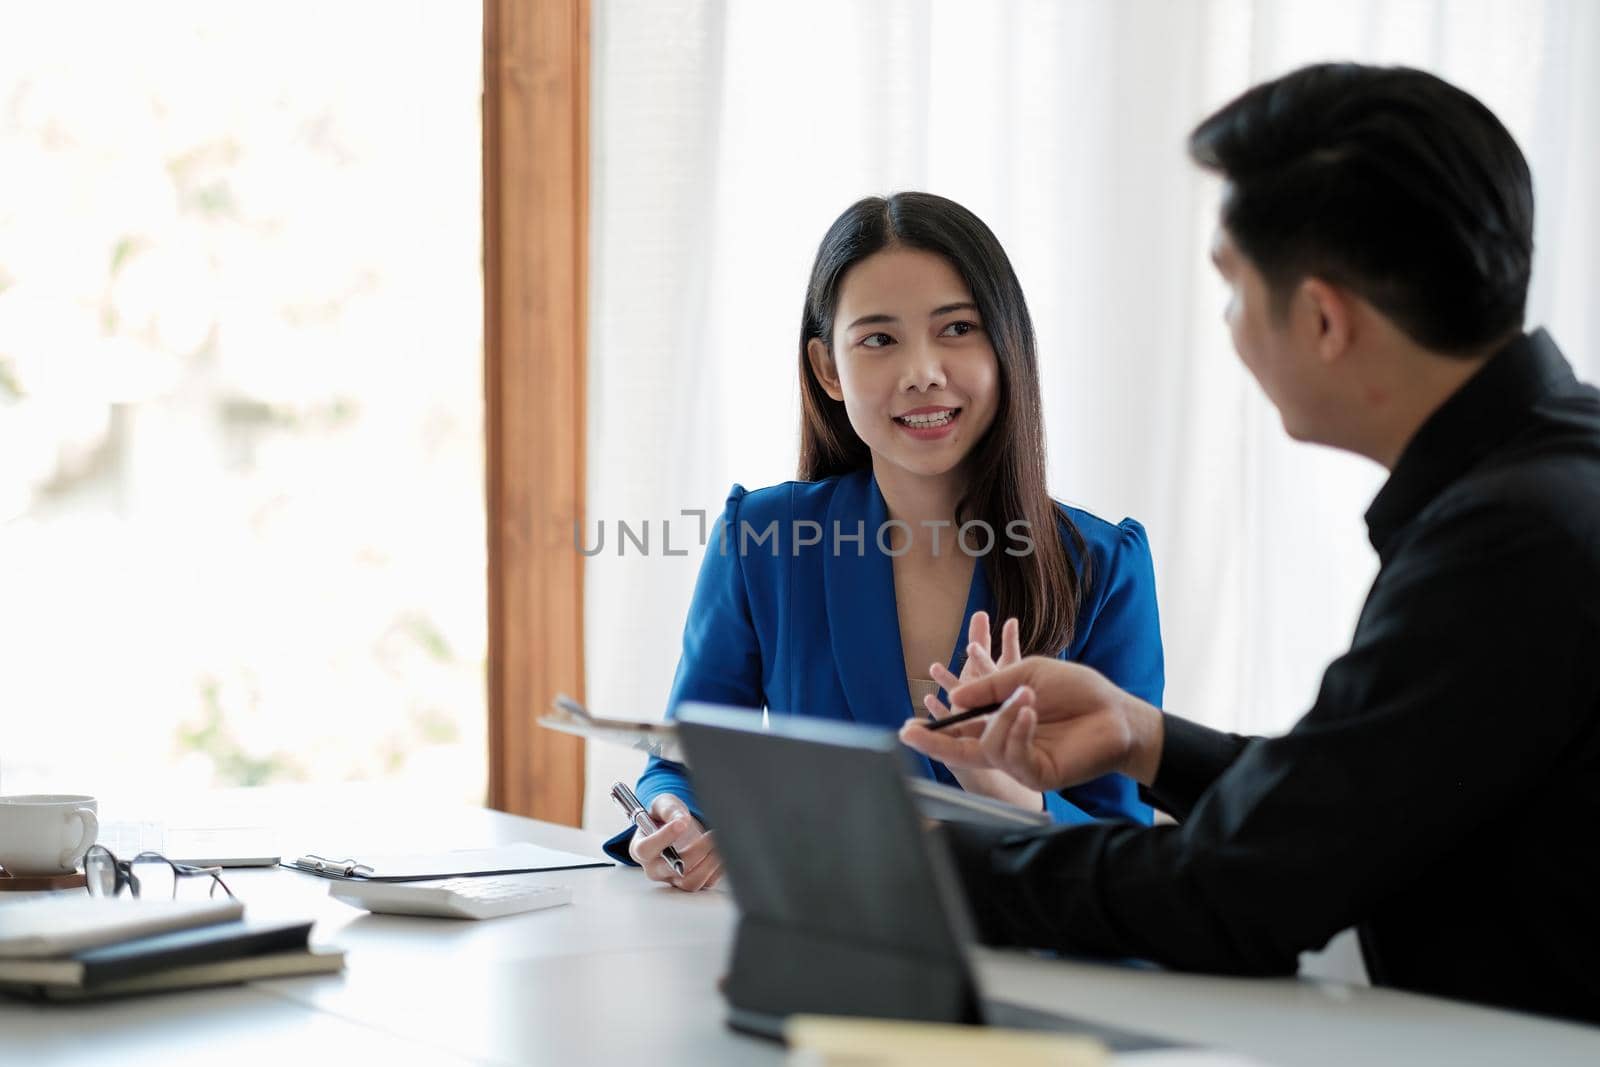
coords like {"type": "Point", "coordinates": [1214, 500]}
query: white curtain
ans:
{"type": "Point", "coordinates": [728, 135]}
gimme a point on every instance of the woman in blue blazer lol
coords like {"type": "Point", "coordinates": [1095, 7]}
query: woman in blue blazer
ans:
{"type": "Point", "coordinates": [921, 513]}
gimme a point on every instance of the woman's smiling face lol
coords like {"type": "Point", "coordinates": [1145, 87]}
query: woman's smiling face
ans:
{"type": "Point", "coordinates": [911, 361]}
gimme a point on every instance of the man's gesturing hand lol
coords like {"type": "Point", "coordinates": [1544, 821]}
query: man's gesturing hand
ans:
{"type": "Point", "coordinates": [1062, 724]}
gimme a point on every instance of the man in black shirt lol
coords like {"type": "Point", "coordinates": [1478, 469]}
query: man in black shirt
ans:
{"type": "Point", "coordinates": [1442, 794]}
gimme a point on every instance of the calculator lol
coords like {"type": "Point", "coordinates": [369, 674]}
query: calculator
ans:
{"type": "Point", "coordinates": [454, 898]}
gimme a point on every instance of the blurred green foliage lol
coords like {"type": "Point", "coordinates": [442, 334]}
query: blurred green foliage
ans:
{"type": "Point", "coordinates": [234, 765]}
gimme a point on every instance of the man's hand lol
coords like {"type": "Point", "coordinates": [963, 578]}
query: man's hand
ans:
{"type": "Point", "coordinates": [1062, 724]}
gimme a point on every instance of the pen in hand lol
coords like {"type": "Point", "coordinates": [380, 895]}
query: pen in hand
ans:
{"type": "Point", "coordinates": [970, 713]}
{"type": "Point", "coordinates": [641, 819]}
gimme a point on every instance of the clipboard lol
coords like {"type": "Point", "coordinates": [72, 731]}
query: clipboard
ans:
{"type": "Point", "coordinates": [655, 738]}
{"type": "Point", "coordinates": [947, 803]}
{"type": "Point", "coordinates": [464, 863]}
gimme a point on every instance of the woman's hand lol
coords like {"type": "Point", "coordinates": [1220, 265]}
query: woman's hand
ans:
{"type": "Point", "coordinates": [985, 782]}
{"type": "Point", "coordinates": [702, 867]}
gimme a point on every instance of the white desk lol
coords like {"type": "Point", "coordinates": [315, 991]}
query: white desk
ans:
{"type": "Point", "coordinates": [627, 974]}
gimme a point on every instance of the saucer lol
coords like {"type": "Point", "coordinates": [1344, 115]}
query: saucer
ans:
{"type": "Point", "coordinates": [34, 883]}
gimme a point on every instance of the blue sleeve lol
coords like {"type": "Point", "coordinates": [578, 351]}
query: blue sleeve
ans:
{"type": "Point", "coordinates": [1121, 640]}
{"type": "Point", "coordinates": [721, 661]}
{"type": "Point", "coordinates": [1064, 812]}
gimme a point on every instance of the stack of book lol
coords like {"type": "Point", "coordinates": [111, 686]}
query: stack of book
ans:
{"type": "Point", "coordinates": [81, 948]}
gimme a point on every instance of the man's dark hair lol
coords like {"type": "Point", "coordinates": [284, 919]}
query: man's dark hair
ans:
{"type": "Point", "coordinates": [1385, 180]}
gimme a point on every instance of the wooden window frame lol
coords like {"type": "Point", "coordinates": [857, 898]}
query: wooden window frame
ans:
{"type": "Point", "coordinates": [535, 267]}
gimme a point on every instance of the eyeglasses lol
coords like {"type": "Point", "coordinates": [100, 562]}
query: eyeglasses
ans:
{"type": "Point", "coordinates": [149, 875]}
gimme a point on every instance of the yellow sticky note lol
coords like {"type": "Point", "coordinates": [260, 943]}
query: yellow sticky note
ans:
{"type": "Point", "coordinates": [839, 1041]}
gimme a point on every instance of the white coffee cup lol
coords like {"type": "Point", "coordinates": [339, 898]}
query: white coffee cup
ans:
{"type": "Point", "coordinates": [46, 833]}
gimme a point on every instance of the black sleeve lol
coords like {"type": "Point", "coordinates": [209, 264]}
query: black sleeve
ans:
{"type": "Point", "coordinates": [1192, 757]}
{"type": "Point", "coordinates": [1472, 669]}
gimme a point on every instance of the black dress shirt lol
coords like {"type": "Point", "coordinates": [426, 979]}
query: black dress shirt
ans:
{"type": "Point", "coordinates": [1442, 794]}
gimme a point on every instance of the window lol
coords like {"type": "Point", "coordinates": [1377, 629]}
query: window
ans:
{"type": "Point", "coordinates": [241, 459]}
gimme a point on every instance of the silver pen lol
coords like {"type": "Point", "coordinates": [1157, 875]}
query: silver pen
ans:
{"type": "Point", "coordinates": [640, 818]}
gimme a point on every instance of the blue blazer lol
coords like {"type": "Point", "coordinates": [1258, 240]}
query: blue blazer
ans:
{"type": "Point", "coordinates": [807, 629]}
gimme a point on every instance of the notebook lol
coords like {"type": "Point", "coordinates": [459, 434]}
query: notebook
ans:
{"type": "Point", "coordinates": [102, 964]}
{"type": "Point", "coordinates": [38, 928]}
{"type": "Point", "coordinates": [224, 972]}
{"type": "Point", "coordinates": [519, 858]}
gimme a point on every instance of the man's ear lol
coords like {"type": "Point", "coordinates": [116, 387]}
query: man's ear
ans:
{"type": "Point", "coordinates": [1328, 320]}
{"type": "Point", "coordinates": [823, 367]}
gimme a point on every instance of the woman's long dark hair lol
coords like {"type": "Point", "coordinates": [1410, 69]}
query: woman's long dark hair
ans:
{"type": "Point", "coordinates": [1042, 589]}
